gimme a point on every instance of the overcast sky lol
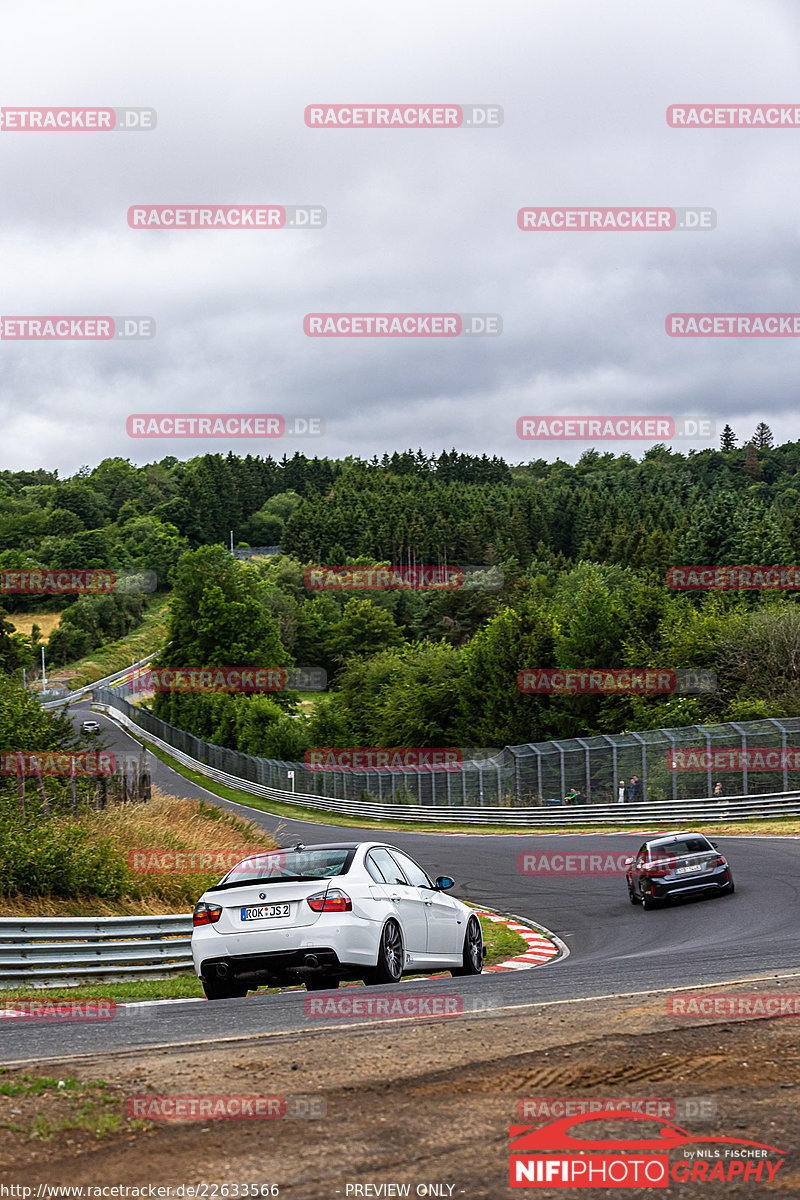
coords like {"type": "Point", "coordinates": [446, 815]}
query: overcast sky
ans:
{"type": "Point", "coordinates": [417, 221]}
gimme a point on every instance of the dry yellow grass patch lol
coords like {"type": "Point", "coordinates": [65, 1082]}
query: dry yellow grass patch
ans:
{"type": "Point", "coordinates": [24, 622]}
{"type": "Point", "coordinates": [173, 823]}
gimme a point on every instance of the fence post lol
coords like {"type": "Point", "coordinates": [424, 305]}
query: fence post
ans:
{"type": "Point", "coordinates": [707, 736]}
{"type": "Point", "coordinates": [743, 736]}
{"type": "Point", "coordinates": [581, 742]}
{"type": "Point", "coordinates": [42, 794]}
{"type": "Point", "coordinates": [560, 750]}
{"type": "Point", "coordinates": [20, 788]}
{"type": "Point", "coordinates": [778, 725]}
{"type": "Point", "coordinates": [644, 764]}
{"type": "Point", "coordinates": [614, 765]}
{"type": "Point", "coordinates": [145, 793]}
{"type": "Point", "coordinates": [673, 772]}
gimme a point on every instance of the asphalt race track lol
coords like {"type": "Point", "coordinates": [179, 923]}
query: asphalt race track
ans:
{"type": "Point", "coordinates": [614, 948]}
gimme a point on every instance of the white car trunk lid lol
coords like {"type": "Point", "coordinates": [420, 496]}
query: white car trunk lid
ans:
{"type": "Point", "coordinates": [263, 905]}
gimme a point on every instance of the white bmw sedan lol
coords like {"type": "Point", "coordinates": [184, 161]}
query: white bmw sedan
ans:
{"type": "Point", "coordinates": [318, 914]}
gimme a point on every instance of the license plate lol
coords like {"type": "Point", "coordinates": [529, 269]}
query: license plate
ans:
{"type": "Point", "coordinates": [687, 870]}
{"type": "Point", "coordinates": [265, 911]}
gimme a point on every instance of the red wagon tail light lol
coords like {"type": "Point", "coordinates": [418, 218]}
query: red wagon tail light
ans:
{"type": "Point", "coordinates": [334, 901]}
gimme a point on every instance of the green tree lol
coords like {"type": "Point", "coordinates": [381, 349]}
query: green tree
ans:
{"type": "Point", "coordinates": [762, 438]}
{"type": "Point", "coordinates": [493, 709]}
{"type": "Point", "coordinates": [152, 545]}
{"type": "Point", "coordinates": [15, 648]}
{"type": "Point", "coordinates": [363, 629]}
{"type": "Point", "coordinates": [752, 466]}
{"type": "Point", "coordinates": [219, 615]}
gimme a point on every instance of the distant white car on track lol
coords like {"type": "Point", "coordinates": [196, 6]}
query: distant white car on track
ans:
{"type": "Point", "coordinates": [318, 914]}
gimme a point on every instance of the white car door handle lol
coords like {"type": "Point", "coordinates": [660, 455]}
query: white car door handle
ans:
{"type": "Point", "coordinates": [428, 903]}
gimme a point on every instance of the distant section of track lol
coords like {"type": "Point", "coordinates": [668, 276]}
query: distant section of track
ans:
{"type": "Point", "coordinates": [614, 947]}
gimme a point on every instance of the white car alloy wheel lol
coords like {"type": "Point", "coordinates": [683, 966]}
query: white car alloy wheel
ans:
{"type": "Point", "coordinates": [390, 956]}
{"type": "Point", "coordinates": [472, 963]}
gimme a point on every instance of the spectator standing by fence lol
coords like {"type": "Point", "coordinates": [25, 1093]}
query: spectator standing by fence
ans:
{"type": "Point", "coordinates": [635, 790]}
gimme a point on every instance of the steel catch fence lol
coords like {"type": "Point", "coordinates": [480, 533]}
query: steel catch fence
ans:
{"type": "Point", "coordinates": [745, 759]}
{"type": "Point", "coordinates": [773, 804]}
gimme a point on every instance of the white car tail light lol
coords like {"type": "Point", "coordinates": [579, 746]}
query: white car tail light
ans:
{"type": "Point", "coordinates": [333, 901]}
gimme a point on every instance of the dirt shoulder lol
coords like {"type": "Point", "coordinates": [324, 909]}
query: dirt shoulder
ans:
{"type": "Point", "coordinates": [409, 1102]}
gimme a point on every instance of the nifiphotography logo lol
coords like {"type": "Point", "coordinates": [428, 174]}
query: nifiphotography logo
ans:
{"type": "Point", "coordinates": [660, 1156]}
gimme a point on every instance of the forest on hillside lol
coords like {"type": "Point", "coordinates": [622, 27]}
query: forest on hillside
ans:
{"type": "Point", "coordinates": [582, 551]}
{"type": "Point", "coordinates": [741, 504]}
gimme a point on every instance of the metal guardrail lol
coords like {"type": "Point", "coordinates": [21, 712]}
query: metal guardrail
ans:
{"type": "Point", "coordinates": [256, 551]}
{"type": "Point", "coordinates": [774, 804]}
{"type": "Point", "coordinates": [117, 677]}
{"type": "Point", "coordinates": [51, 951]}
